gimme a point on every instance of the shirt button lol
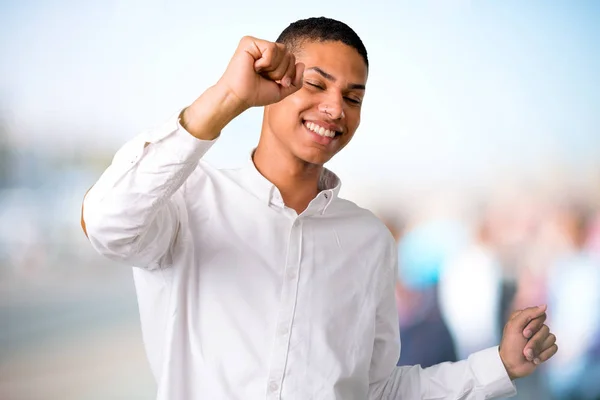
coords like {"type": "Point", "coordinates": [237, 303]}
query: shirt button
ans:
{"type": "Point", "coordinates": [283, 330]}
{"type": "Point", "coordinates": [273, 386]}
{"type": "Point", "coordinates": [291, 274]}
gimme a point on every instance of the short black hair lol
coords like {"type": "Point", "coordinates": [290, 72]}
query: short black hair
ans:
{"type": "Point", "coordinates": [321, 29]}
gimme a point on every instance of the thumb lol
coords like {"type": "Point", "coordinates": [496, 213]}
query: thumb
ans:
{"type": "Point", "coordinates": [521, 318]}
{"type": "Point", "coordinates": [296, 84]}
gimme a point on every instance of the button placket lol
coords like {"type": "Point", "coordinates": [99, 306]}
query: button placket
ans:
{"type": "Point", "coordinates": [283, 330]}
{"type": "Point", "coordinates": [273, 386]}
{"type": "Point", "coordinates": [287, 310]}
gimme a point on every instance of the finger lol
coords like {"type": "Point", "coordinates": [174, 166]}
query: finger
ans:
{"type": "Point", "coordinates": [546, 354]}
{"type": "Point", "coordinates": [296, 84]}
{"type": "Point", "coordinates": [290, 73]}
{"type": "Point", "coordinates": [548, 342]}
{"type": "Point", "coordinates": [253, 46]}
{"type": "Point", "coordinates": [280, 69]}
{"type": "Point", "coordinates": [534, 345]}
{"type": "Point", "coordinates": [299, 75]}
{"type": "Point", "coordinates": [534, 326]}
{"type": "Point", "coordinates": [521, 319]}
{"type": "Point", "coordinates": [265, 60]}
{"type": "Point", "coordinates": [271, 56]}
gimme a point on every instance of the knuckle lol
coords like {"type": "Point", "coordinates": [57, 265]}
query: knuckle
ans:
{"type": "Point", "coordinates": [292, 67]}
{"type": "Point", "coordinates": [268, 57]}
{"type": "Point", "coordinates": [545, 329]}
{"type": "Point", "coordinates": [289, 58]}
{"type": "Point", "coordinates": [284, 62]}
{"type": "Point", "coordinates": [541, 318]}
{"type": "Point", "coordinates": [282, 66]}
{"type": "Point", "coordinates": [533, 324]}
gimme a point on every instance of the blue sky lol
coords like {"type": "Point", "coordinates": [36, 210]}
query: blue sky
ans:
{"type": "Point", "coordinates": [455, 87]}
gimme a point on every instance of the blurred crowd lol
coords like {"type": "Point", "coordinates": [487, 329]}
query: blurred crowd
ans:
{"type": "Point", "coordinates": [465, 263]}
{"type": "Point", "coordinates": [464, 268]}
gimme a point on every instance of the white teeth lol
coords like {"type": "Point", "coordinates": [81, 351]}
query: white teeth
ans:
{"type": "Point", "coordinates": [320, 130]}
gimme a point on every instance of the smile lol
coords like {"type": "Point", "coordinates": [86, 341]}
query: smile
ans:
{"type": "Point", "coordinates": [319, 130]}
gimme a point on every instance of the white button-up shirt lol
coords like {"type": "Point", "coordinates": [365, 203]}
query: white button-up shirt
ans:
{"type": "Point", "coordinates": [241, 298]}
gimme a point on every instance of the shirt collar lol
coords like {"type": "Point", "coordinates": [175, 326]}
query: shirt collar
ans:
{"type": "Point", "coordinates": [261, 187]}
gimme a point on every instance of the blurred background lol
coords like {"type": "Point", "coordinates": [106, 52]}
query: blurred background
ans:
{"type": "Point", "coordinates": [479, 147]}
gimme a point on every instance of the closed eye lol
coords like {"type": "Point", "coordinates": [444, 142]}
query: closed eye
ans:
{"type": "Point", "coordinates": [315, 85]}
{"type": "Point", "coordinates": [351, 100]}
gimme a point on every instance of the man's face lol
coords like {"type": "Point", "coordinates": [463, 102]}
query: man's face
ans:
{"type": "Point", "coordinates": [318, 120]}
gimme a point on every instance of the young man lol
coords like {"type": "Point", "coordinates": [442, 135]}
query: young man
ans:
{"type": "Point", "coordinates": [260, 282]}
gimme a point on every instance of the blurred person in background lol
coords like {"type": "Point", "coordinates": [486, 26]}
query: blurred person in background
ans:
{"type": "Point", "coordinates": [422, 249]}
{"type": "Point", "coordinates": [537, 242]}
{"type": "Point", "coordinates": [261, 281]}
{"type": "Point", "coordinates": [514, 221]}
{"type": "Point", "coordinates": [474, 273]}
{"type": "Point", "coordinates": [573, 288]}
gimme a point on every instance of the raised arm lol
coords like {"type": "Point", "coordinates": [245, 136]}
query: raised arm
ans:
{"type": "Point", "coordinates": [132, 213]}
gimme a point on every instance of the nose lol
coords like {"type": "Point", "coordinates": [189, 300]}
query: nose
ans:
{"type": "Point", "coordinates": [332, 107]}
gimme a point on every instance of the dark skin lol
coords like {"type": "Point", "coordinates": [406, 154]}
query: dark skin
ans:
{"type": "Point", "coordinates": [333, 89]}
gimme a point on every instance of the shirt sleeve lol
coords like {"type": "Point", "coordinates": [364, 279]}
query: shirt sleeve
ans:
{"type": "Point", "coordinates": [132, 213]}
{"type": "Point", "coordinates": [481, 377]}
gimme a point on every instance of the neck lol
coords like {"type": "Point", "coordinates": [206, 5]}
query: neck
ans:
{"type": "Point", "coordinates": [297, 180]}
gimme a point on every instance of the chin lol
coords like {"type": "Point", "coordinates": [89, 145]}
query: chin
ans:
{"type": "Point", "coordinates": [313, 156]}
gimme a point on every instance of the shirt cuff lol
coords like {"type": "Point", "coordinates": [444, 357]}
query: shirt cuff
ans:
{"type": "Point", "coordinates": [490, 372]}
{"type": "Point", "coordinates": [174, 139]}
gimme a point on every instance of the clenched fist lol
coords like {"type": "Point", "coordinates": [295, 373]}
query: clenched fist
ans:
{"type": "Point", "coordinates": [261, 72]}
{"type": "Point", "coordinates": [526, 342]}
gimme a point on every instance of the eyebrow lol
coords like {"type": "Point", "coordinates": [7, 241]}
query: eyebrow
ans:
{"type": "Point", "coordinates": [332, 78]}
